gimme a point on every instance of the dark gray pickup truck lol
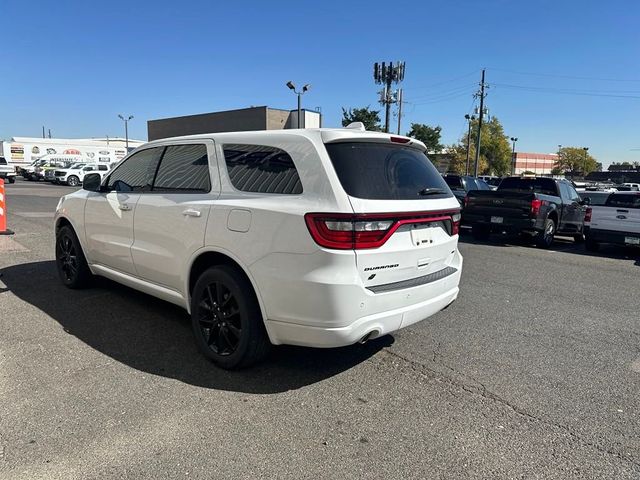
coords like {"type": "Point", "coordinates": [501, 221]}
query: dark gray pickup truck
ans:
{"type": "Point", "coordinates": [539, 207]}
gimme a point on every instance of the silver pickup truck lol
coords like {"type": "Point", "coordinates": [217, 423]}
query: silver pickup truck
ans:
{"type": "Point", "coordinates": [616, 222]}
{"type": "Point", "coordinates": [7, 172]}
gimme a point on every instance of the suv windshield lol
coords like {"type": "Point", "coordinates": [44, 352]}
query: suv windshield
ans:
{"type": "Point", "coordinates": [546, 186]}
{"type": "Point", "coordinates": [378, 171]}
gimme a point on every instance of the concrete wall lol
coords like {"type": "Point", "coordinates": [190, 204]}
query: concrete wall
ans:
{"type": "Point", "coordinates": [245, 119]}
{"type": "Point", "coordinates": [277, 119]}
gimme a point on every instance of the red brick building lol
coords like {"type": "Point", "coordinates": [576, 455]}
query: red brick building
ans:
{"type": "Point", "coordinates": [539, 163]}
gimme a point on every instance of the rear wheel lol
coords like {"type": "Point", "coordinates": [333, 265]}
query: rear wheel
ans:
{"type": "Point", "coordinates": [11, 179]}
{"type": "Point", "coordinates": [545, 238]}
{"type": "Point", "coordinates": [226, 319]}
{"type": "Point", "coordinates": [578, 238]}
{"type": "Point", "coordinates": [73, 181]}
{"type": "Point", "coordinates": [70, 260]}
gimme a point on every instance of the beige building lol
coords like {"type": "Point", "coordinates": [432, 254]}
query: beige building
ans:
{"type": "Point", "coordinates": [538, 163]}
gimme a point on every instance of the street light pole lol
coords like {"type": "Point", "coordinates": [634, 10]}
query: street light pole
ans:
{"type": "Point", "coordinates": [513, 155]}
{"type": "Point", "coordinates": [469, 118]}
{"type": "Point", "coordinates": [584, 166]}
{"type": "Point", "coordinates": [299, 93]}
{"type": "Point", "coordinates": [126, 129]}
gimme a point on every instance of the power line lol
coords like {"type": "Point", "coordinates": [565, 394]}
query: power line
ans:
{"type": "Point", "coordinates": [459, 89]}
{"type": "Point", "coordinates": [572, 77]}
{"type": "Point", "coordinates": [443, 98]}
{"type": "Point", "coordinates": [587, 93]}
{"type": "Point", "coordinates": [445, 81]}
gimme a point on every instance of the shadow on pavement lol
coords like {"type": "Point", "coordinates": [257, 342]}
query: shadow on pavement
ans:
{"type": "Point", "coordinates": [560, 244]}
{"type": "Point", "coordinates": [155, 337]}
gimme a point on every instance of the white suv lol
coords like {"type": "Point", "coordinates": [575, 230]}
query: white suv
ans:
{"type": "Point", "coordinates": [75, 174]}
{"type": "Point", "coordinates": [318, 238]}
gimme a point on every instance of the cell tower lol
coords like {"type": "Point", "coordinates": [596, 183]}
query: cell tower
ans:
{"type": "Point", "coordinates": [386, 74]}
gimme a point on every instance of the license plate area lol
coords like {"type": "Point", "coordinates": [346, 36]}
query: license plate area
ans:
{"type": "Point", "coordinates": [496, 219]}
{"type": "Point", "coordinates": [632, 240]}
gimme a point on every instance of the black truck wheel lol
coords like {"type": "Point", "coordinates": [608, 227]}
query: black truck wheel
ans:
{"type": "Point", "coordinates": [545, 238]}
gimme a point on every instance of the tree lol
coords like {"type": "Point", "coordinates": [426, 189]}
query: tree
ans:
{"type": "Point", "coordinates": [575, 159]}
{"type": "Point", "coordinates": [495, 151]}
{"type": "Point", "coordinates": [430, 136]}
{"type": "Point", "coordinates": [370, 118]}
{"type": "Point", "coordinates": [458, 163]}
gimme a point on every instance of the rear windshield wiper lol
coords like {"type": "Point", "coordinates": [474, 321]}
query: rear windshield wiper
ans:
{"type": "Point", "coordinates": [431, 191]}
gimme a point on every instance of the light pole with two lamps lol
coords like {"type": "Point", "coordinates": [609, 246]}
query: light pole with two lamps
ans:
{"type": "Point", "coordinates": [513, 154]}
{"type": "Point", "coordinates": [470, 118]}
{"type": "Point", "coordinates": [302, 92]}
{"type": "Point", "coordinates": [126, 129]}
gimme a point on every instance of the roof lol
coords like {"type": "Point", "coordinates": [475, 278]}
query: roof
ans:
{"type": "Point", "coordinates": [324, 134]}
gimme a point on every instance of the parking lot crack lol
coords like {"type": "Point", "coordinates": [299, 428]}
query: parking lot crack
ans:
{"type": "Point", "coordinates": [475, 387]}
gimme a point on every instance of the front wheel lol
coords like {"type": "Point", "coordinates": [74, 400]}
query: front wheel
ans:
{"type": "Point", "coordinates": [73, 181]}
{"type": "Point", "coordinates": [70, 260]}
{"type": "Point", "coordinates": [545, 238]}
{"type": "Point", "coordinates": [11, 179]}
{"type": "Point", "coordinates": [226, 319]}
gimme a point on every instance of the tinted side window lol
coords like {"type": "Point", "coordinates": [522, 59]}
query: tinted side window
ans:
{"type": "Point", "coordinates": [455, 183]}
{"type": "Point", "coordinates": [564, 192]}
{"type": "Point", "coordinates": [573, 195]}
{"type": "Point", "coordinates": [136, 172]}
{"type": "Point", "coordinates": [183, 168]}
{"type": "Point", "coordinates": [261, 169]}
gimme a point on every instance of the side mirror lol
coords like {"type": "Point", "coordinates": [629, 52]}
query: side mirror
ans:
{"type": "Point", "coordinates": [586, 201]}
{"type": "Point", "coordinates": [92, 182]}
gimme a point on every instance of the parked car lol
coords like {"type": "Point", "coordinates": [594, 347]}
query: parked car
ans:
{"type": "Point", "coordinates": [460, 185]}
{"type": "Point", "coordinates": [318, 238]}
{"type": "Point", "coordinates": [7, 171]}
{"type": "Point", "coordinates": [536, 206]}
{"type": "Point", "coordinates": [616, 222]}
{"type": "Point", "coordinates": [50, 162]}
{"type": "Point", "coordinates": [74, 175]}
{"type": "Point", "coordinates": [632, 186]}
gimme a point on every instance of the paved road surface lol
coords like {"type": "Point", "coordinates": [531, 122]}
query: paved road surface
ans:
{"type": "Point", "coordinates": [533, 373]}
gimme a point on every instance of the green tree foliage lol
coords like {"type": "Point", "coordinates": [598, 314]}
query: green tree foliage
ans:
{"type": "Point", "coordinates": [430, 136]}
{"type": "Point", "coordinates": [576, 159]}
{"type": "Point", "coordinates": [495, 150]}
{"type": "Point", "coordinates": [370, 118]}
{"type": "Point", "coordinates": [458, 162]}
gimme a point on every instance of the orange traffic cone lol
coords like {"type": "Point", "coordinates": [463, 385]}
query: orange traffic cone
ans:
{"type": "Point", "coordinates": [3, 211]}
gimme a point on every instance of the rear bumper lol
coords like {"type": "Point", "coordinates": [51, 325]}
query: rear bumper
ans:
{"type": "Point", "coordinates": [328, 306]}
{"type": "Point", "coordinates": [508, 224]}
{"type": "Point", "coordinates": [610, 236]}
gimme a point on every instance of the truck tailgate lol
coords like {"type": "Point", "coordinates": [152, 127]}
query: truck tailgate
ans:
{"type": "Point", "coordinates": [500, 204]}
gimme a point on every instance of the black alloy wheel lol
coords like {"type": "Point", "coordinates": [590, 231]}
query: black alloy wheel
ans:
{"type": "Point", "coordinates": [545, 238]}
{"type": "Point", "coordinates": [70, 260]}
{"type": "Point", "coordinates": [226, 319]}
{"type": "Point", "coordinates": [219, 319]}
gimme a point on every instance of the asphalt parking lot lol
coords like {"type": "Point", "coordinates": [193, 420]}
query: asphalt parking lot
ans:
{"type": "Point", "coordinates": [533, 373]}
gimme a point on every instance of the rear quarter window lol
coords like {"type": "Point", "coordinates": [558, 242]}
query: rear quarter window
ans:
{"type": "Point", "coordinates": [377, 171]}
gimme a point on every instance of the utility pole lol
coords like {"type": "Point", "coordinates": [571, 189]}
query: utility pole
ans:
{"type": "Point", "coordinates": [481, 94]}
{"type": "Point", "coordinates": [49, 133]}
{"type": "Point", "coordinates": [43, 131]}
{"type": "Point", "coordinates": [584, 167]}
{"type": "Point", "coordinates": [399, 109]}
{"type": "Point", "coordinates": [384, 74]}
{"type": "Point", "coordinates": [469, 118]}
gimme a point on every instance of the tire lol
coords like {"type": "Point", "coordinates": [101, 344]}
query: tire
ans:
{"type": "Point", "coordinates": [545, 238]}
{"type": "Point", "coordinates": [578, 238]}
{"type": "Point", "coordinates": [70, 260]}
{"type": "Point", "coordinates": [226, 319]}
{"type": "Point", "coordinates": [480, 232]}
{"type": "Point", "coordinates": [591, 245]}
{"type": "Point", "coordinates": [12, 179]}
{"type": "Point", "coordinates": [73, 181]}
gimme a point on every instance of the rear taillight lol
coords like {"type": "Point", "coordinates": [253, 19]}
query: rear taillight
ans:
{"type": "Point", "coordinates": [535, 207]}
{"type": "Point", "coordinates": [455, 223]}
{"type": "Point", "coordinates": [587, 214]}
{"type": "Point", "coordinates": [360, 231]}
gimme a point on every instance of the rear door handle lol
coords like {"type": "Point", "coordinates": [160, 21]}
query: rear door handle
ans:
{"type": "Point", "coordinates": [124, 206]}
{"type": "Point", "coordinates": [191, 213]}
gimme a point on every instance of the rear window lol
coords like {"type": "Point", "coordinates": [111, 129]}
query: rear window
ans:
{"type": "Point", "coordinates": [2, 161]}
{"type": "Point", "coordinates": [596, 198]}
{"type": "Point", "coordinates": [377, 171]}
{"type": "Point", "coordinates": [544, 186]}
{"type": "Point", "coordinates": [624, 201]}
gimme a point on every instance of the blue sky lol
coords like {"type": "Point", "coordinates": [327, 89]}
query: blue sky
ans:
{"type": "Point", "coordinates": [73, 66]}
